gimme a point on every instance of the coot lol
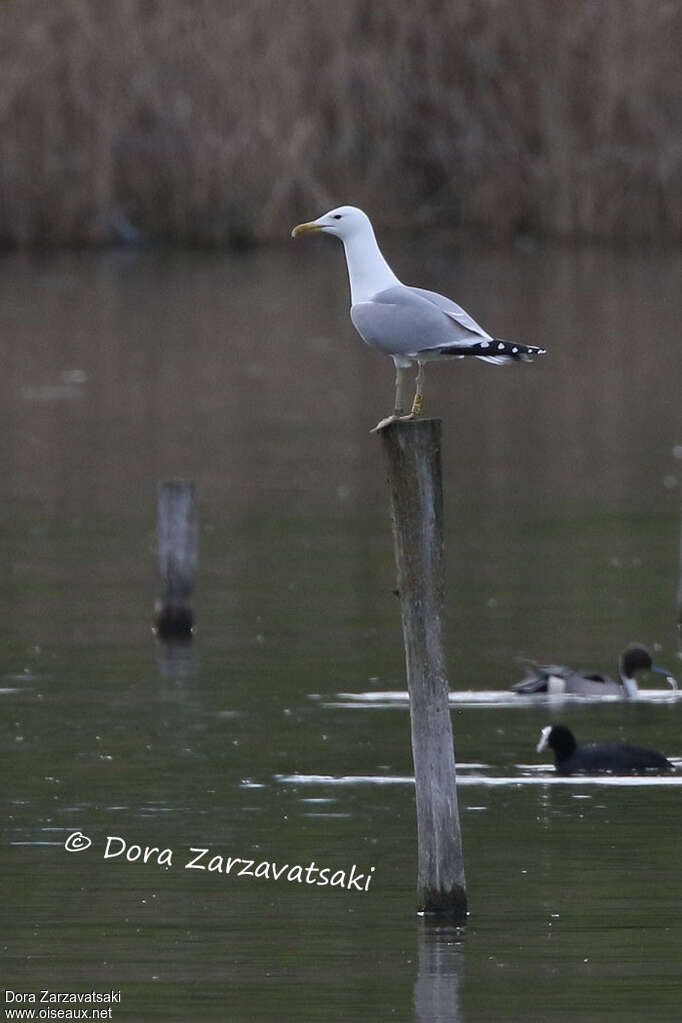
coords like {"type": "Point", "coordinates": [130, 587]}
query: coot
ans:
{"type": "Point", "coordinates": [597, 758]}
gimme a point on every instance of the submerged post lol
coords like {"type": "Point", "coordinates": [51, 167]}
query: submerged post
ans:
{"type": "Point", "coordinates": [178, 550]}
{"type": "Point", "coordinates": [412, 451]}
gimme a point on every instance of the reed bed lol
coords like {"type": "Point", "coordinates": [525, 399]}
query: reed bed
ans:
{"type": "Point", "coordinates": [218, 121]}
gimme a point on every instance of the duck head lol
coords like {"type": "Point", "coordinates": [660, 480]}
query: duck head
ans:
{"type": "Point", "coordinates": [637, 658]}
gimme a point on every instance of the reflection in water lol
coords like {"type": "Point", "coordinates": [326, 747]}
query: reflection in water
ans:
{"type": "Point", "coordinates": [504, 699]}
{"type": "Point", "coordinates": [177, 659]}
{"type": "Point", "coordinates": [440, 964]}
{"type": "Point", "coordinates": [516, 780]}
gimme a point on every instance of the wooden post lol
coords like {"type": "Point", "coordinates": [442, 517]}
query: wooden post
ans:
{"type": "Point", "coordinates": [679, 588]}
{"type": "Point", "coordinates": [412, 451]}
{"type": "Point", "coordinates": [178, 548]}
{"type": "Point", "coordinates": [677, 452]}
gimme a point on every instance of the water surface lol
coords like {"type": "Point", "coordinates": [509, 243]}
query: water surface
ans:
{"type": "Point", "coordinates": [562, 515]}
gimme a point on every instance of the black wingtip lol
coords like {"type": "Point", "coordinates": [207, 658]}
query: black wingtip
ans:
{"type": "Point", "coordinates": [495, 349]}
{"type": "Point", "coordinates": [514, 350]}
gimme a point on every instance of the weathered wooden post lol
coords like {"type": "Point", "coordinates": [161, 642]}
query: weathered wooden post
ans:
{"type": "Point", "coordinates": [178, 551]}
{"type": "Point", "coordinates": [677, 452]}
{"type": "Point", "coordinates": [413, 456]}
{"type": "Point", "coordinates": [679, 588]}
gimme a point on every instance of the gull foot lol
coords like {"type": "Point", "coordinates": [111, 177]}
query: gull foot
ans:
{"type": "Point", "coordinates": [397, 417]}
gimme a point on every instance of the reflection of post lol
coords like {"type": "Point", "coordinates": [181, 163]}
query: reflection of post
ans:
{"type": "Point", "coordinates": [178, 546]}
{"type": "Point", "coordinates": [176, 659]}
{"type": "Point", "coordinates": [440, 958]}
{"type": "Point", "coordinates": [412, 451]}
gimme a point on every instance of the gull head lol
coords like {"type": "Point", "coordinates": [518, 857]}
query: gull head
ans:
{"type": "Point", "coordinates": [345, 222]}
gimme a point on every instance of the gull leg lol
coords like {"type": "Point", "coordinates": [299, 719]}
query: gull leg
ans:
{"type": "Point", "coordinates": [399, 409]}
{"type": "Point", "coordinates": [418, 401]}
{"type": "Point", "coordinates": [400, 396]}
{"type": "Point", "coordinates": [400, 378]}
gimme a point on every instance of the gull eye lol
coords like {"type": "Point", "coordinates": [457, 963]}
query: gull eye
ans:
{"type": "Point", "coordinates": [336, 216]}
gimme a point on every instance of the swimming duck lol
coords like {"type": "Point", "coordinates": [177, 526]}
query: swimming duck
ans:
{"type": "Point", "coordinates": [598, 758]}
{"type": "Point", "coordinates": [556, 680]}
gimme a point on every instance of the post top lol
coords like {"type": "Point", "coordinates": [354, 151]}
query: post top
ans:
{"type": "Point", "coordinates": [411, 424]}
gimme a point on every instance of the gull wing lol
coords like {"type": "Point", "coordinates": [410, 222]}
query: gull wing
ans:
{"type": "Point", "coordinates": [413, 324]}
{"type": "Point", "coordinates": [405, 321]}
{"type": "Point", "coordinates": [451, 309]}
{"type": "Point", "coordinates": [400, 322]}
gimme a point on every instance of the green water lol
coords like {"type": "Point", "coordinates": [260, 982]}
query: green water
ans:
{"type": "Point", "coordinates": [562, 510]}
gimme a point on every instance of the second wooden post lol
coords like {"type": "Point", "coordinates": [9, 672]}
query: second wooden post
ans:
{"type": "Point", "coordinates": [178, 553]}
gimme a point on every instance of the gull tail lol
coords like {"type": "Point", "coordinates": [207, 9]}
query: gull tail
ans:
{"type": "Point", "coordinates": [495, 351]}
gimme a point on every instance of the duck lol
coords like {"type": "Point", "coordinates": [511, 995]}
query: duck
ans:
{"type": "Point", "coordinates": [558, 680]}
{"type": "Point", "coordinates": [598, 758]}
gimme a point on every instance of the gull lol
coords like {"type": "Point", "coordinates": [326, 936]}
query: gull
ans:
{"type": "Point", "coordinates": [412, 325]}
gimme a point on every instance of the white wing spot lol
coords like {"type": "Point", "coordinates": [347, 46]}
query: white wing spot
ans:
{"type": "Point", "coordinates": [485, 344]}
{"type": "Point", "coordinates": [500, 347]}
{"type": "Point", "coordinates": [515, 350]}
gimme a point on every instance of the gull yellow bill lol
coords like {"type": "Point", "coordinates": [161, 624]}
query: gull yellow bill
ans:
{"type": "Point", "coordinates": [300, 229]}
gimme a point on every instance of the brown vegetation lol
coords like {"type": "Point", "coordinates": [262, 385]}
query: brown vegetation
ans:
{"type": "Point", "coordinates": [216, 120]}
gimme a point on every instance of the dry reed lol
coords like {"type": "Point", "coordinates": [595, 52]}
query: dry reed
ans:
{"type": "Point", "coordinates": [211, 121]}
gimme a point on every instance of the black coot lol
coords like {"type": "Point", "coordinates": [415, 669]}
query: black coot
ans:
{"type": "Point", "coordinates": [596, 758]}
